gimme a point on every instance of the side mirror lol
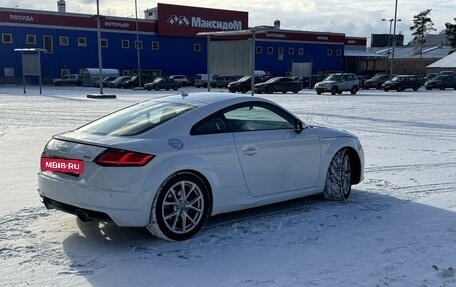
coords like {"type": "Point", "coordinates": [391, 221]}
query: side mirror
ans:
{"type": "Point", "coordinates": [298, 126]}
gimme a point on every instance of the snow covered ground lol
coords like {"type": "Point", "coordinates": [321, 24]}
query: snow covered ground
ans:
{"type": "Point", "coordinates": [397, 229]}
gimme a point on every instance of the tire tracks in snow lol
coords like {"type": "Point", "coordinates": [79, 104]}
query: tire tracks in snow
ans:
{"type": "Point", "coordinates": [408, 167]}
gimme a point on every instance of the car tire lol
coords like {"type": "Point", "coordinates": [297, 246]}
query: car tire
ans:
{"type": "Point", "coordinates": [270, 90]}
{"type": "Point", "coordinates": [181, 207]}
{"type": "Point", "coordinates": [295, 90]}
{"type": "Point", "coordinates": [427, 88]}
{"type": "Point", "coordinates": [354, 90]}
{"type": "Point", "coordinates": [333, 90]}
{"type": "Point", "coordinates": [338, 177]}
{"type": "Point", "coordinates": [148, 88]}
{"type": "Point", "coordinates": [244, 90]}
{"type": "Point", "coordinates": [157, 88]}
{"type": "Point", "coordinates": [175, 88]}
{"type": "Point", "coordinates": [400, 89]}
{"type": "Point", "coordinates": [58, 84]}
{"type": "Point", "coordinates": [318, 93]}
{"type": "Point", "coordinates": [379, 86]}
{"type": "Point", "coordinates": [442, 88]}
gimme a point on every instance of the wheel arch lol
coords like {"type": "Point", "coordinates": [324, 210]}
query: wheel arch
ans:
{"type": "Point", "coordinates": [355, 163]}
{"type": "Point", "coordinates": [356, 159]}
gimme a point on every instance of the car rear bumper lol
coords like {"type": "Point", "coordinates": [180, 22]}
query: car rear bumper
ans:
{"type": "Point", "coordinates": [124, 208]}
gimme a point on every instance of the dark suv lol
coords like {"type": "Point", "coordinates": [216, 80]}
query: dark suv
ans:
{"type": "Point", "coordinates": [402, 82]}
{"type": "Point", "coordinates": [377, 81]}
{"type": "Point", "coordinates": [134, 81]}
{"type": "Point", "coordinates": [243, 85]}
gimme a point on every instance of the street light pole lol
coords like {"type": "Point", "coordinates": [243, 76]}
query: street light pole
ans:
{"type": "Point", "coordinates": [100, 62]}
{"type": "Point", "coordinates": [389, 40]}
{"type": "Point", "coordinates": [138, 45]}
{"type": "Point", "coordinates": [394, 40]}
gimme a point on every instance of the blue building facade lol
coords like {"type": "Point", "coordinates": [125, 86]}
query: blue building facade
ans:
{"type": "Point", "coordinates": [168, 43]}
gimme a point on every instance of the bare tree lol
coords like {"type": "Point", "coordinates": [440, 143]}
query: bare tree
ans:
{"type": "Point", "coordinates": [422, 25]}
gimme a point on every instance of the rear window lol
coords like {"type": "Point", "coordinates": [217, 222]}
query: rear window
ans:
{"type": "Point", "coordinates": [136, 119]}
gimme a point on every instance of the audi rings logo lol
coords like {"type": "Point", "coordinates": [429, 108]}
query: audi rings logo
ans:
{"type": "Point", "coordinates": [179, 21]}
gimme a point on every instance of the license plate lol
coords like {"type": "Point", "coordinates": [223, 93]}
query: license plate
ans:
{"type": "Point", "coordinates": [73, 166]}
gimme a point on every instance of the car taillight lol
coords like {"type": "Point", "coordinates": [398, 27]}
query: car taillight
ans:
{"type": "Point", "coordinates": [114, 157]}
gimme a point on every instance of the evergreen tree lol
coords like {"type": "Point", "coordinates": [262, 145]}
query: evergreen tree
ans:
{"type": "Point", "coordinates": [422, 24]}
{"type": "Point", "coordinates": [451, 34]}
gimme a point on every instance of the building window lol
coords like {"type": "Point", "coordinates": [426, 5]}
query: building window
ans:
{"type": "Point", "coordinates": [9, 71]}
{"type": "Point", "coordinates": [31, 39]}
{"type": "Point", "coordinates": [155, 45]}
{"type": "Point", "coordinates": [329, 52]}
{"type": "Point", "coordinates": [7, 38]}
{"type": "Point", "coordinates": [63, 40]}
{"type": "Point", "coordinates": [270, 50]}
{"type": "Point", "coordinates": [64, 72]}
{"type": "Point", "coordinates": [280, 54]}
{"type": "Point", "coordinates": [197, 47]}
{"type": "Point", "coordinates": [104, 43]}
{"type": "Point", "coordinates": [47, 44]}
{"type": "Point", "coordinates": [301, 51]}
{"type": "Point", "coordinates": [125, 44]}
{"type": "Point", "coordinates": [338, 52]}
{"type": "Point", "coordinates": [259, 49]}
{"type": "Point", "coordinates": [290, 51]}
{"type": "Point", "coordinates": [82, 41]}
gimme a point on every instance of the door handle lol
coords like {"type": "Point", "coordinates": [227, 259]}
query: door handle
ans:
{"type": "Point", "coordinates": [249, 150]}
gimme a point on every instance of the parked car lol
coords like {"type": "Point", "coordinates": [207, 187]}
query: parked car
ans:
{"type": "Point", "coordinates": [182, 79]}
{"type": "Point", "coordinates": [448, 73]}
{"type": "Point", "coordinates": [304, 80]}
{"type": "Point", "coordinates": [402, 82]}
{"type": "Point", "coordinates": [162, 84]}
{"type": "Point", "coordinates": [223, 81]}
{"type": "Point", "coordinates": [170, 163]}
{"type": "Point", "coordinates": [337, 83]}
{"type": "Point", "coordinates": [278, 84]}
{"type": "Point", "coordinates": [441, 82]}
{"type": "Point", "coordinates": [430, 76]}
{"type": "Point", "coordinates": [118, 82]}
{"type": "Point", "coordinates": [377, 81]}
{"type": "Point", "coordinates": [243, 85]}
{"type": "Point", "coordinates": [134, 81]}
{"type": "Point", "coordinates": [105, 81]}
{"type": "Point", "coordinates": [315, 79]}
{"type": "Point", "coordinates": [202, 79]}
{"type": "Point", "coordinates": [362, 79]}
{"type": "Point", "coordinates": [71, 79]}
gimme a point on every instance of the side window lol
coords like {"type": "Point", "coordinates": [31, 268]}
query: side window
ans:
{"type": "Point", "coordinates": [215, 124]}
{"type": "Point", "coordinates": [257, 117]}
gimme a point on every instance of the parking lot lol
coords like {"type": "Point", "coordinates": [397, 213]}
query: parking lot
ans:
{"type": "Point", "coordinates": [397, 229]}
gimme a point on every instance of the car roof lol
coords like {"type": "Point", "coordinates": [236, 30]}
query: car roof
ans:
{"type": "Point", "coordinates": [206, 98]}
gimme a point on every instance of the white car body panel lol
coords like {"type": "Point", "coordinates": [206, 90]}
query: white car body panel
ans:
{"type": "Point", "coordinates": [285, 165]}
{"type": "Point", "coordinates": [278, 161]}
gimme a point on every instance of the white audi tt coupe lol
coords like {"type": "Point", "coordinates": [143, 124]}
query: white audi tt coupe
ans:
{"type": "Point", "coordinates": [170, 163]}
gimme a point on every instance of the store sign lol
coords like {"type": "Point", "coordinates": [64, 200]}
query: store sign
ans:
{"type": "Point", "coordinates": [119, 25]}
{"type": "Point", "coordinates": [175, 20]}
{"type": "Point", "coordinates": [21, 18]}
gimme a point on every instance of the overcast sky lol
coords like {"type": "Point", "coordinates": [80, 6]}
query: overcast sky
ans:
{"type": "Point", "coordinates": [353, 17]}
